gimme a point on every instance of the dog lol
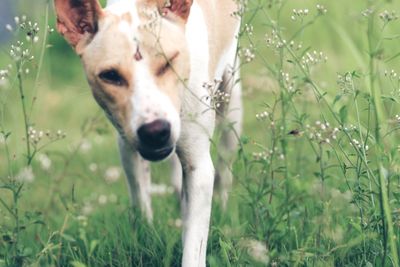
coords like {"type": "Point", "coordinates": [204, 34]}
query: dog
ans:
{"type": "Point", "coordinates": [147, 63]}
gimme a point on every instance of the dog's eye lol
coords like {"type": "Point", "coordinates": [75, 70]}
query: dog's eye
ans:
{"type": "Point", "coordinates": [164, 68]}
{"type": "Point", "coordinates": [112, 77]}
{"type": "Point", "coordinates": [161, 71]}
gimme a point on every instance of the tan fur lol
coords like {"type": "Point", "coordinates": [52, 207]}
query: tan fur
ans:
{"type": "Point", "coordinates": [137, 61]}
{"type": "Point", "coordinates": [113, 50]}
{"type": "Point", "coordinates": [222, 27]}
{"type": "Point", "coordinates": [72, 25]}
{"type": "Point", "coordinates": [108, 52]}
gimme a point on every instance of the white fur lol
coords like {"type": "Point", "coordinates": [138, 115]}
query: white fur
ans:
{"type": "Point", "coordinates": [192, 129]}
{"type": "Point", "coordinates": [149, 103]}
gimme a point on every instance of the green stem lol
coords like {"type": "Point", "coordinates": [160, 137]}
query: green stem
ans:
{"type": "Point", "coordinates": [25, 114]}
{"type": "Point", "coordinates": [376, 100]}
{"type": "Point", "coordinates": [42, 53]}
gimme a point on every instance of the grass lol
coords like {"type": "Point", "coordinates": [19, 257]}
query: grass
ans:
{"type": "Point", "coordinates": [316, 177]}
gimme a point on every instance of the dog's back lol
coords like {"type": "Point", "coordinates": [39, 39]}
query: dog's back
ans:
{"type": "Point", "coordinates": [222, 27]}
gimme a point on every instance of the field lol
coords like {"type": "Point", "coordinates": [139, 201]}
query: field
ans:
{"type": "Point", "coordinates": [316, 175]}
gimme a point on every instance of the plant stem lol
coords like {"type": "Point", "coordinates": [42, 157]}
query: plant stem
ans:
{"type": "Point", "coordinates": [25, 115]}
{"type": "Point", "coordinates": [42, 53]}
{"type": "Point", "coordinates": [376, 100]}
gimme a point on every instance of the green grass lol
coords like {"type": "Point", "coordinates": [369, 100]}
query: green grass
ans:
{"type": "Point", "coordinates": [307, 202]}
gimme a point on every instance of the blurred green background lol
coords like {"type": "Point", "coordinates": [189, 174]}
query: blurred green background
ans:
{"type": "Point", "coordinates": [85, 176]}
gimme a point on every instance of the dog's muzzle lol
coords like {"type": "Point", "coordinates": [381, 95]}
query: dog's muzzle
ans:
{"type": "Point", "coordinates": [155, 140]}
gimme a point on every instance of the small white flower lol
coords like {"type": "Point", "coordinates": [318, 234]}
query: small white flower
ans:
{"type": "Point", "coordinates": [9, 28]}
{"type": "Point", "coordinates": [26, 175]}
{"type": "Point", "coordinates": [178, 223]}
{"type": "Point", "coordinates": [86, 146]}
{"type": "Point", "coordinates": [87, 208]}
{"type": "Point", "coordinates": [45, 161]}
{"type": "Point", "coordinates": [93, 167]}
{"type": "Point", "coordinates": [112, 174]}
{"type": "Point", "coordinates": [257, 250]}
{"type": "Point", "coordinates": [103, 199]}
{"type": "Point", "coordinates": [161, 189]}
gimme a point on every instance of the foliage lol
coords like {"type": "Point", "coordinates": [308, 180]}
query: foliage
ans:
{"type": "Point", "coordinates": [316, 176]}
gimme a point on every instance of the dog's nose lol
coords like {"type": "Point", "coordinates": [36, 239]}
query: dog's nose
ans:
{"type": "Point", "coordinates": [155, 134]}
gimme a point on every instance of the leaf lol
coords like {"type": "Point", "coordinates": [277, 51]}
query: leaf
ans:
{"type": "Point", "coordinates": [68, 237]}
{"type": "Point", "coordinates": [6, 135]}
{"type": "Point", "coordinates": [39, 222]}
{"type": "Point", "coordinates": [392, 57]}
{"type": "Point", "coordinates": [390, 98]}
{"type": "Point", "coordinates": [224, 250]}
{"type": "Point", "coordinates": [343, 112]}
{"type": "Point", "coordinates": [93, 245]}
{"type": "Point", "coordinates": [337, 98]}
{"type": "Point", "coordinates": [26, 252]}
{"type": "Point", "coordinates": [7, 238]}
{"type": "Point", "coordinates": [77, 264]}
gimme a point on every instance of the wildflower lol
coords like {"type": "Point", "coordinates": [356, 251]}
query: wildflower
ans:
{"type": "Point", "coordinates": [161, 189]}
{"type": "Point", "coordinates": [112, 174]}
{"type": "Point", "coordinates": [45, 161]}
{"type": "Point", "coordinates": [322, 132]}
{"type": "Point", "coordinates": [299, 14]}
{"type": "Point", "coordinates": [4, 74]}
{"type": "Point", "coordinates": [103, 199]}
{"type": "Point", "coordinates": [175, 223]}
{"type": "Point", "coordinates": [313, 58]}
{"type": "Point", "coordinates": [87, 208]}
{"type": "Point", "coordinates": [248, 28]}
{"type": "Point", "coordinates": [50, 30]}
{"type": "Point", "coordinates": [83, 220]}
{"type": "Point", "coordinates": [264, 155]}
{"type": "Point", "coordinates": [387, 16]}
{"type": "Point", "coordinates": [262, 116]}
{"type": "Point", "coordinates": [216, 97]}
{"type": "Point", "coordinates": [368, 12]}
{"type": "Point", "coordinates": [321, 9]}
{"type": "Point", "coordinates": [257, 250]}
{"type": "Point", "coordinates": [93, 167]}
{"type": "Point", "coordinates": [248, 54]}
{"type": "Point", "coordinates": [9, 28]}
{"type": "Point", "coordinates": [288, 83]}
{"type": "Point", "coordinates": [85, 146]}
{"type": "Point", "coordinates": [26, 175]}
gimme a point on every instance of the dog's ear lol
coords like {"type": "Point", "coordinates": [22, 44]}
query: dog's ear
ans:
{"type": "Point", "coordinates": [179, 8]}
{"type": "Point", "coordinates": [77, 20]}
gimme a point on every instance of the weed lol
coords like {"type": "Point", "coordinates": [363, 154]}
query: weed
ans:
{"type": "Point", "coordinates": [316, 175]}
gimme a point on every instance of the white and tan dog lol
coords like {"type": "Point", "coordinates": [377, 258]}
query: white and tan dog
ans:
{"type": "Point", "coordinates": [146, 62]}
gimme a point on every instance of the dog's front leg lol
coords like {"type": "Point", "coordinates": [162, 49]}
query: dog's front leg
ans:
{"type": "Point", "coordinates": [197, 190]}
{"type": "Point", "coordinates": [137, 171]}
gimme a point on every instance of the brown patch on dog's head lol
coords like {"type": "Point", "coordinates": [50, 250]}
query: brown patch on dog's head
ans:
{"type": "Point", "coordinates": [77, 20]}
{"type": "Point", "coordinates": [136, 60]}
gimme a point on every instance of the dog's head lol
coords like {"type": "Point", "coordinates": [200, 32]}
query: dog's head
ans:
{"type": "Point", "coordinates": [136, 60]}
